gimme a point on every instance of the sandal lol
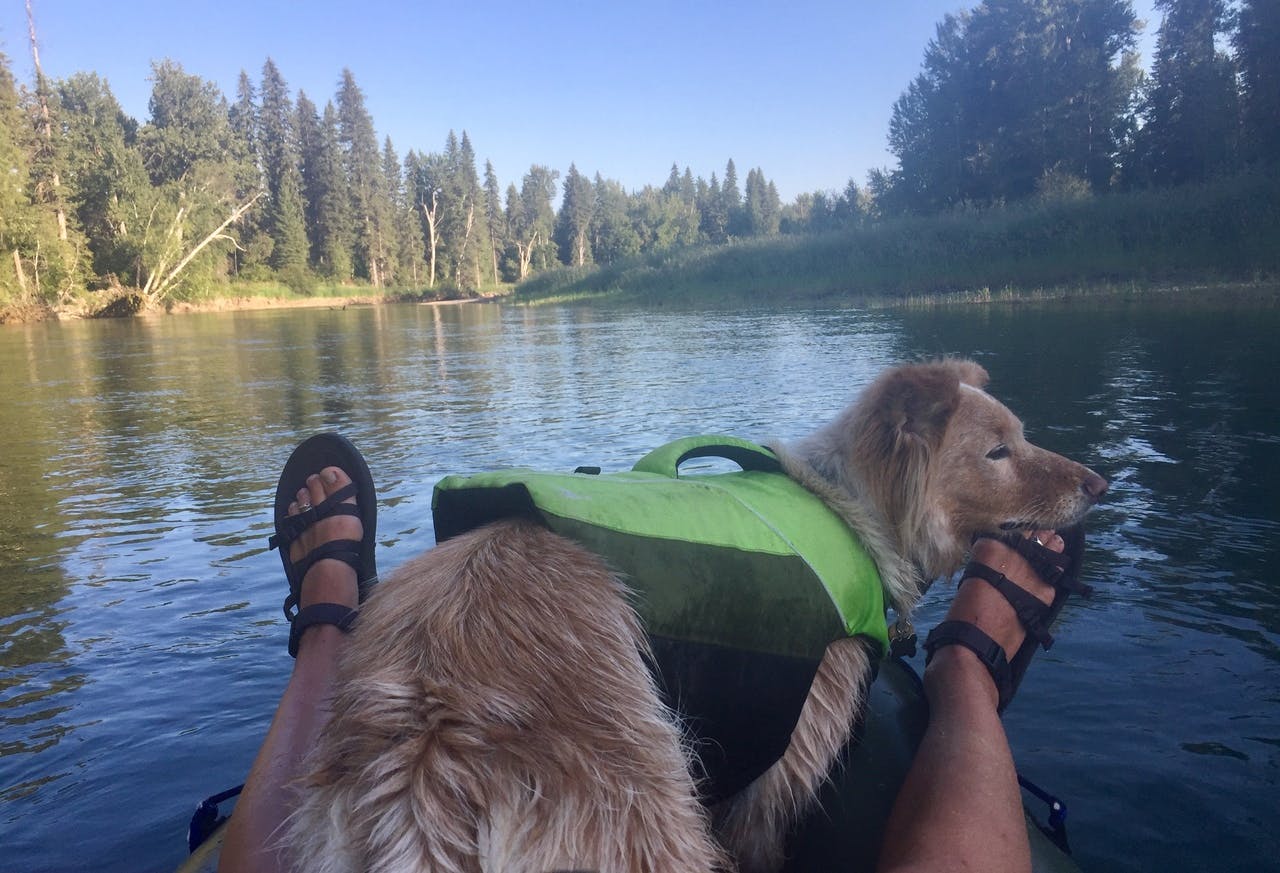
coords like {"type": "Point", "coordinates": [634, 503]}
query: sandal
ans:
{"type": "Point", "coordinates": [312, 456]}
{"type": "Point", "coordinates": [1059, 569]}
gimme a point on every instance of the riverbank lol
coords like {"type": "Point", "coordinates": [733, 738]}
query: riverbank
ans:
{"type": "Point", "coordinates": [255, 296]}
{"type": "Point", "coordinates": [1220, 233]}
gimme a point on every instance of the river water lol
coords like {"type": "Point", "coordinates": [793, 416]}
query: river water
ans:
{"type": "Point", "coordinates": [142, 645]}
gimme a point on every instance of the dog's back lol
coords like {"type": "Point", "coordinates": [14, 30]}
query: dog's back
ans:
{"type": "Point", "coordinates": [496, 713]}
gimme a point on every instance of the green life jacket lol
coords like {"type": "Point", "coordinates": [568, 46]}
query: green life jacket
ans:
{"type": "Point", "coordinates": [742, 580]}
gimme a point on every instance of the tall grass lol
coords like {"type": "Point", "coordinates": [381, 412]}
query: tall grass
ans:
{"type": "Point", "coordinates": [1227, 229]}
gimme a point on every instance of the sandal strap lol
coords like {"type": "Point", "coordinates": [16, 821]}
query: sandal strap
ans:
{"type": "Point", "coordinates": [335, 614]}
{"type": "Point", "coordinates": [974, 639]}
{"type": "Point", "coordinates": [291, 527]}
{"type": "Point", "coordinates": [1051, 566]}
{"type": "Point", "coordinates": [1032, 612]}
{"type": "Point", "coordinates": [346, 551]}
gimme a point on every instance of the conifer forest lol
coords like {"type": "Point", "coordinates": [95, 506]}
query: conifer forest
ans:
{"type": "Point", "coordinates": [1019, 107]}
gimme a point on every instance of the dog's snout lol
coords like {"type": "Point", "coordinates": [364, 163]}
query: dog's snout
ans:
{"type": "Point", "coordinates": [1094, 486]}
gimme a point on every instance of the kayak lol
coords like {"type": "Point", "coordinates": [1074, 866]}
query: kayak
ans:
{"type": "Point", "coordinates": [845, 832]}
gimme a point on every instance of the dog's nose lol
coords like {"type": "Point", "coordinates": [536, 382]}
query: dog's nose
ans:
{"type": "Point", "coordinates": [1094, 486]}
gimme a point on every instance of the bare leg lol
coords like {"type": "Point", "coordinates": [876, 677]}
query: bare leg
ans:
{"type": "Point", "coordinates": [268, 797]}
{"type": "Point", "coordinates": [960, 807]}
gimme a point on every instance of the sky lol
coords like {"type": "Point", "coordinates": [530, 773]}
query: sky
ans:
{"type": "Point", "coordinates": [802, 89]}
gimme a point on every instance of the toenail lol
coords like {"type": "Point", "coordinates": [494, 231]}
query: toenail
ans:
{"type": "Point", "coordinates": [331, 476]}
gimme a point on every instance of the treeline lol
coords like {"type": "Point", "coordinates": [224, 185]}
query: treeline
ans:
{"type": "Point", "coordinates": [1033, 151]}
{"type": "Point", "coordinates": [271, 187]}
{"type": "Point", "coordinates": [1039, 101]}
{"type": "Point", "coordinates": [1018, 99]}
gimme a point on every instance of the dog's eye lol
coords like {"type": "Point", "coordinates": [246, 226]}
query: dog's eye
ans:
{"type": "Point", "coordinates": [1000, 451]}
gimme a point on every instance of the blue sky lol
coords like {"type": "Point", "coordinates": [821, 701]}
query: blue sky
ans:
{"type": "Point", "coordinates": [802, 89]}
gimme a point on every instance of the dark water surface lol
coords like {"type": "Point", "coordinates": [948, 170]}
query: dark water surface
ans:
{"type": "Point", "coordinates": [142, 647]}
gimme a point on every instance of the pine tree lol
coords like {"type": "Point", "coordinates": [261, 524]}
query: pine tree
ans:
{"type": "Point", "coordinates": [410, 264]}
{"type": "Point", "coordinates": [334, 232]}
{"type": "Point", "coordinates": [462, 218]}
{"type": "Point", "coordinates": [1191, 107]}
{"type": "Point", "coordinates": [715, 214]}
{"type": "Point", "coordinates": [396, 253]}
{"type": "Point", "coordinates": [1257, 42]}
{"type": "Point", "coordinates": [573, 224]}
{"type": "Point", "coordinates": [613, 236]}
{"type": "Point", "coordinates": [1008, 93]}
{"type": "Point", "coordinates": [370, 211]}
{"type": "Point", "coordinates": [242, 121]}
{"type": "Point", "coordinates": [731, 201]}
{"type": "Point", "coordinates": [278, 155]}
{"type": "Point", "coordinates": [495, 221]}
{"type": "Point", "coordinates": [531, 220]}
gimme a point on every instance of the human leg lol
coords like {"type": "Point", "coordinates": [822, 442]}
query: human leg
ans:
{"type": "Point", "coordinates": [268, 796]}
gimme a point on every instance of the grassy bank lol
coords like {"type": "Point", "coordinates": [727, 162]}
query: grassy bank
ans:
{"type": "Point", "coordinates": [1224, 231]}
{"type": "Point", "coordinates": [225, 296]}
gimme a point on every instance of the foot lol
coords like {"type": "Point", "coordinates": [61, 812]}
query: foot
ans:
{"type": "Point", "coordinates": [328, 580]}
{"type": "Point", "coordinates": [978, 603]}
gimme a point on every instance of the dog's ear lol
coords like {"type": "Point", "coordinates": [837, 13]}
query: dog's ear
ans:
{"type": "Point", "coordinates": [968, 372]}
{"type": "Point", "coordinates": [924, 397]}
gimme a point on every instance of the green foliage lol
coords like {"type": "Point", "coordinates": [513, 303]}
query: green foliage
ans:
{"type": "Point", "coordinates": [573, 225]}
{"type": "Point", "coordinates": [1257, 42]}
{"type": "Point", "coordinates": [370, 209]}
{"type": "Point", "coordinates": [103, 173]}
{"type": "Point", "coordinates": [1191, 110]}
{"type": "Point", "coordinates": [278, 155]}
{"type": "Point", "coordinates": [1226, 229]}
{"type": "Point", "coordinates": [1009, 92]}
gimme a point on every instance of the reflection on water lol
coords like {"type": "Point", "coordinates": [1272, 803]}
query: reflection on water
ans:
{"type": "Point", "coordinates": [141, 641]}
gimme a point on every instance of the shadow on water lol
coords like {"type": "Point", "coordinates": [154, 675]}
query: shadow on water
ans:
{"type": "Point", "coordinates": [141, 639]}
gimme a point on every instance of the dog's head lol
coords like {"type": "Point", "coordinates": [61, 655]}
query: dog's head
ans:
{"type": "Point", "coordinates": [942, 461]}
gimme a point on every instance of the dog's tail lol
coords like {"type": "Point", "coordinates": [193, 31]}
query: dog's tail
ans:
{"type": "Point", "coordinates": [495, 712]}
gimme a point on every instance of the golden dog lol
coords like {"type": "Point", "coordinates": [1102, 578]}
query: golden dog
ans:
{"type": "Point", "coordinates": [495, 710]}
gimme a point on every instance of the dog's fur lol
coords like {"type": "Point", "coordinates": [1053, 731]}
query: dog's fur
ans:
{"type": "Point", "coordinates": [495, 711]}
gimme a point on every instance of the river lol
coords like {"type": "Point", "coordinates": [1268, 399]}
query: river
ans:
{"type": "Point", "coordinates": [142, 645]}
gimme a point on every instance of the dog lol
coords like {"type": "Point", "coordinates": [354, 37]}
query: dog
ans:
{"type": "Point", "coordinates": [496, 709]}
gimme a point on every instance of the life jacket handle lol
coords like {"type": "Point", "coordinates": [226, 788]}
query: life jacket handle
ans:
{"type": "Point", "coordinates": [666, 460]}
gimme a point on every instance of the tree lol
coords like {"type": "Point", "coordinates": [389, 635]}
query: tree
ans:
{"type": "Point", "coordinates": [370, 211]}
{"type": "Point", "coordinates": [530, 220]}
{"type": "Point", "coordinates": [731, 201]}
{"type": "Point", "coordinates": [714, 220]}
{"type": "Point", "coordinates": [396, 254]}
{"type": "Point", "coordinates": [426, 185]}
{"type": "Point", "coordinates": [613, 235]}
{"type": "Point", "coordinates": [763, 210]}
{"type": "Point", "coordinates": [242, 121]}
{"type": "Point", "coordinates": [1009, 92]}
{"type": "Point", "coordinates": [104, 176]}
{"type": "Point", "coordinates": [188, 127]}
{"type": "Point", "coordinates": [409, 263]}
{"type": "Point", "coordinates": [186, 147]}
{"type": "Point", "coordinates": [495, 220]}
{"type": "Point", "coordinates": [325, 195]}
{"type": "Point", "coordinates": [461, 208]}
{"type": "Point", "coordinates": [1257, 43]}
{"type": "Point", "coordinates": [23, 225]}
{"type": "Point", "coordinates": [573, 224]}
{"type": "Point", "coordinates": [1191, 107]}
{"type": "Point", "coordinates": [278, 156]}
